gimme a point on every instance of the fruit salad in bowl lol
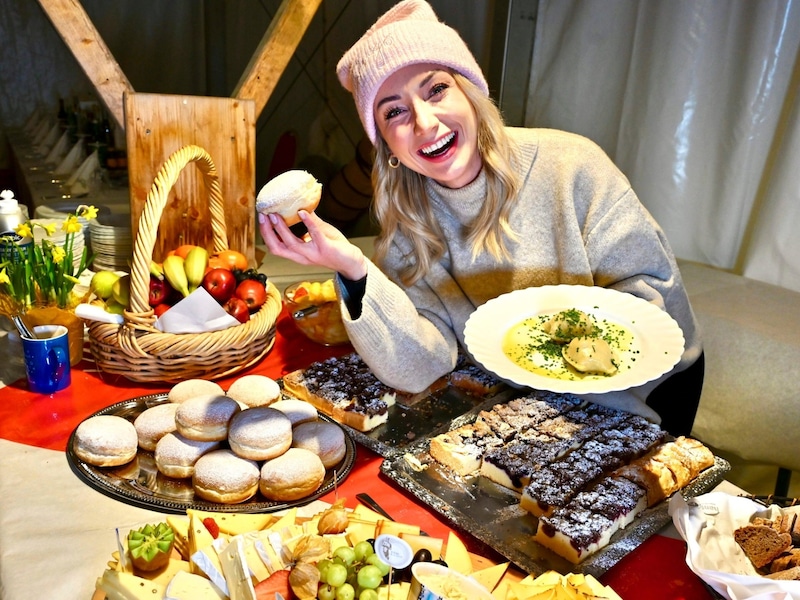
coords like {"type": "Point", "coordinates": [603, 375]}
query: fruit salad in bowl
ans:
{"type": "Point", "coordinates": [315, 310]}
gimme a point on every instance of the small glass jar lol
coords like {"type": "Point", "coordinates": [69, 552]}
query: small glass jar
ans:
{"type": "Point", "coordinates": [321, 323]}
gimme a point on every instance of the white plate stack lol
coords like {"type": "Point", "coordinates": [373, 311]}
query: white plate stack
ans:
{"type": "Point", "coordinates": [112, 242]}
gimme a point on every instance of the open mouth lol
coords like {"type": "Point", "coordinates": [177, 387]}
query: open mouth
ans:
{"type": "Point", "coordinates": [439, 147]}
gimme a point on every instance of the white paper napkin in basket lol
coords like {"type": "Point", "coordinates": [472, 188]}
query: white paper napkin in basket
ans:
{"type": "Point", "coordinates": [197, 313]}
{"type": "Point", "coordinates": [707, 523]}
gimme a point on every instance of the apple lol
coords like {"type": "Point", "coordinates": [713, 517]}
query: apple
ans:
{"type": "Point", "coordinates": [253, 293]}
{"type": "Point", "coordinates": [220, 283]}
{"type": "Point", "coordinates": [160, 309]}
{"type": "Point", "coordinates": [160, 291]}
{"type": "Point", "coordinates": [237, 308]}
{"type": "Point", "coordinates": [102, 284]}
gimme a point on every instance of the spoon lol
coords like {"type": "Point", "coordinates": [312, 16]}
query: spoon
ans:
{"type": "Point", "coordinates": [22, 328]}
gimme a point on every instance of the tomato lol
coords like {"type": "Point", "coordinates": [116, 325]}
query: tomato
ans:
{"type": "Point", "coordinates": [232, 259]}
{"type": "Point", "coordinates": [252, 292]}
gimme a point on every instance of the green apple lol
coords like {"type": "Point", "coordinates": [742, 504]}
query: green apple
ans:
{"type": "Point", "coordinates": [121, 290]}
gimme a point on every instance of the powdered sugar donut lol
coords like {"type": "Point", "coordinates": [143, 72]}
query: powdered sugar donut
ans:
{"type": "Point", "coordinates": [295, 474]}
{"type": "Point", "coordinates": [206, 417]}
{"type": "Point", "coordinates": [298, 411]}
{"type": "Point", "coordinates": [288, 193]}
{"type": "Point", "coordinates": [176, 455]}
{"type": "Point", "coordinates": [260, 433]}
{"type": "Point", "coordinates": [154, 423]}
{"type": "Point", "coordinates": [221, 476]}
{"type": "Point", "coordinates": [192, 388]}
{"type": "Point", "coordinates": [106, 441]}
{"type": "Point", "coordinates": [255, 390]}
{"type": "Point", "coordinates": [323, 438]}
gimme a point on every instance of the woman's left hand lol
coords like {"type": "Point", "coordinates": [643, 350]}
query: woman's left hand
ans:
{"type": "Point", "coordinates": [323, 245]}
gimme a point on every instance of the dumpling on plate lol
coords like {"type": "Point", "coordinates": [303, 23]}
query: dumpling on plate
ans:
{"type": "Point", "coordinates": [568, 324]}
{"type": "Point", "coordinates": [590, 355]}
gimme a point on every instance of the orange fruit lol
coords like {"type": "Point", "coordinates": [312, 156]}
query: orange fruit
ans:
{"type": "Point", "coordinates": [215, 262]}
{"type": "Point", "coordinates": [183, 250]}
{"type": "Point", "coordinates": [232, 259]}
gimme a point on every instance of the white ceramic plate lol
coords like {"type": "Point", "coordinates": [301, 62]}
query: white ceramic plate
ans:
{"type": "Point", "coordinates": [656, 346]}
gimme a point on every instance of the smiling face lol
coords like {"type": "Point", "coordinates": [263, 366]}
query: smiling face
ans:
{"type": "Point", "coordinates": [429, 124]}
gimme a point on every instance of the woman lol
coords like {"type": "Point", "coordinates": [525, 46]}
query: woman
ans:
{"type": "Point", "coordinates": [470, 209]}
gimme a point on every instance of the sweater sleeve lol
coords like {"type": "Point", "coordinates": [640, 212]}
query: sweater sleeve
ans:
{"type": "Point", "coordinates": [403, 347]}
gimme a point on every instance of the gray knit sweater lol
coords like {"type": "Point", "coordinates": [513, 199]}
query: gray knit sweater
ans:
{"type": "Point", "coordinates": [578, 222]}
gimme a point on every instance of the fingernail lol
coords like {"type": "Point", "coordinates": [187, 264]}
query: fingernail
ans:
{"type": "Point", "coordinates": [261, 218]}
{"type": "Point", "coordinates": [273, 218]}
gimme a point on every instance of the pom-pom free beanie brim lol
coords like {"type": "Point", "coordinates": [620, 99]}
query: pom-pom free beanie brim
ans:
{"type": "Point", "coordinates": [409, 33]}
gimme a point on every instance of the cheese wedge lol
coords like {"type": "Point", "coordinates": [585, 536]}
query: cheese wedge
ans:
{"type": "Point", "coordinates": [180, 526]}
{"type": "Point", "coordinates": [385, 527]}
{"type": "Point", "coordinates": [418, 542]}
{"type": "Point", "coordinates": [200, 538]}
{"type": "Point", "coordinates": [235, 523]}
{"type": "Point", "coordinates": [456, 555]}
{"type": "Point", "coordinates": [366, 514]}
{"type": "Point", "coordinates": [173, 567]}
{"type": "Point", "coordinates": [187, 586]}
{"type": "Point", "coordinates": [237, 574]}
{"type": "Point", "coordinates": [490, 576]}
{"type": "Point", "coordinates": [125, 586]}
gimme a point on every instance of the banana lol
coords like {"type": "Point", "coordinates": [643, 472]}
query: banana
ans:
{"type": "Point", "coordinates": [176, 276]}
{"type": "Point", "coordinates": [195, 266]}
{"type": "Point", "coordinates": [156, 270]}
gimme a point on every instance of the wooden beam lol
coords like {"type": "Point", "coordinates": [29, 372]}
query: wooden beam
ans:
{"type": "Point", "coordinates": [82, 38]}
{"type": "Point", "coordinates": [274, 51]}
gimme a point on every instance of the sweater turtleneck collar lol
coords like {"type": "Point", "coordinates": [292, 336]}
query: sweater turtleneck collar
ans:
{"type": "Point", "coordinates": [465, 202]}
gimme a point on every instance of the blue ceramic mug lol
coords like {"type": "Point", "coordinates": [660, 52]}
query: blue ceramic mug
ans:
{"type": "Point", "coordinates": [47, 359]}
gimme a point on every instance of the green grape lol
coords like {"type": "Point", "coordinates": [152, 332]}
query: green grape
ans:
{"type": "Point", "coordinates": [322, 566]}
{"type": "Point", "coordinates": [374, 559]}
{"type": "Point", "coordinates": [369, 577]}
{"type": "Point", "coordinates": [326, 592]}
{"type": "Point", "coordinates": [336, 575]}
{"type": "Point", "coordinates": [346, 553]}
{"type": "Point", "coordinates": [345, 592]}
{"type": "Point", "coordinates": [363, 549]}
{"type": "Point", "coordinates": [368, 595]}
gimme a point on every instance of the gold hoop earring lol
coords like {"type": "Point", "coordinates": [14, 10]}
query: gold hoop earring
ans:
{"type": "Point", "coordinates": [393, 161]}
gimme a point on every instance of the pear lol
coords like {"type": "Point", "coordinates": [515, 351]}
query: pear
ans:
{"type": "Point", "coordinates": [102, 284]}
{"type": "Point", "coordinates": [121, 290]}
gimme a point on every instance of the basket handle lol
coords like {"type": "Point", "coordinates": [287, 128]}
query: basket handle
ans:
{"type": "Point", "coordinates": [153, 209]}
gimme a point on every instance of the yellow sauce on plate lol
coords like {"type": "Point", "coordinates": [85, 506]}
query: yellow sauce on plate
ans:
{"type": "Point", "coordinates": [527, 345]}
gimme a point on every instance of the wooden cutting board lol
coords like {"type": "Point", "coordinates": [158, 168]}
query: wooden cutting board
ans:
{"type": "Point", "coordinates": [156, 126]}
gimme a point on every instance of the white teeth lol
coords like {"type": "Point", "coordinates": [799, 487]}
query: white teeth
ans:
{"type": "Point", "coordinates": [438, 145]}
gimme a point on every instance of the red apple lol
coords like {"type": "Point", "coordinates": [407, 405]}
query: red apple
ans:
{"type": "Point", "coordinates": [220, 283]}
{"type": "Point", "coordinates": [237, 308]}
{"type": "Point", "coordinates": [160, 291]}
{"type": "Point", "coordinates": [160, 309]}
{"type": "Point", "coordinates": [253, 293]}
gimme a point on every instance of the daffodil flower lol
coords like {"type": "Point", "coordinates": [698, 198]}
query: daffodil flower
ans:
{"type": "Point", "coordinates": [72, 225]}
{"type": "Point", "coordinates": [24, 230]}
{"type": "Point", "coordinates": [87, 212]}
{"type": "Point", "coordinates": [50, 228]}
{"type": "Point", "coordinates": [4, 276]}
{"type": "Point", "coordinates": [58, 254]}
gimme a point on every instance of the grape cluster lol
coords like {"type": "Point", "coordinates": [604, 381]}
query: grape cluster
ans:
{"type": "Point", "coordinates": [351, 573]}
{"type": "Point", "coordinates": [241, 275]}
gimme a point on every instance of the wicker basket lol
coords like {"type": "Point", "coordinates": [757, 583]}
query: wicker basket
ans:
{"type": "Point", "coordinates": [139, 351]}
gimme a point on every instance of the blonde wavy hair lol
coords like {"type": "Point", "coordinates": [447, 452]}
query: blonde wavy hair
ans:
{"type": "Point", "coordinates": [401, 205]}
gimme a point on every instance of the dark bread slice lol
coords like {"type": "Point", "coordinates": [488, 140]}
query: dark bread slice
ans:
{"type": "Point", "coordinates": [761, 543]}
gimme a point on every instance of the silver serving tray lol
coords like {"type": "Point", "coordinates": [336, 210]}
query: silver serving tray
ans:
{"type": "Point", "coordinates": [492, 513]}
{"type": "Point", "coordinates": [139, 483]}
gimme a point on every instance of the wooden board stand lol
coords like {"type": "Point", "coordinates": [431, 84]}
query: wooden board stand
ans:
{"type": "Point", "coordinates": [156, 125]}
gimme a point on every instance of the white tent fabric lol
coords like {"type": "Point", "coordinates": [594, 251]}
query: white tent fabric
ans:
{"type": "Point", "coordinates": [697, 103]}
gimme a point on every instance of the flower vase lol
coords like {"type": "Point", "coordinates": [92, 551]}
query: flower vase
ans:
{"type": "Point", "coordinates": [53, 315]}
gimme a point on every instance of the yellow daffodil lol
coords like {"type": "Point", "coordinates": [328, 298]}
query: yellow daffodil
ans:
{"type": "Point", "coordinates": [72, 225]}
{"type": "Point", "coordinates": [58, 254]}
{"type": "Point", "coordinates": [50, 228]}
{"type": "Point", "coordinates": [87, 212]}
{"type": "Point", "coordinates": [4, 276]}
{"type": "Point", "coordinates": [24, 230]}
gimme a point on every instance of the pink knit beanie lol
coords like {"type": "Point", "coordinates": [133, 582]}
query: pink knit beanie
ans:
{"type": "Point", "coordinates": [409, 33]}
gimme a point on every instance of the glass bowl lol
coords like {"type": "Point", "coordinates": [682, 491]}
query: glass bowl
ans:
{"type": "Point", "coordinates": [318, 318]}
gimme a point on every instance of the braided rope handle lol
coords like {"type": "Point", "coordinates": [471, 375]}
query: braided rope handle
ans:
{"type": "Point", "coordinates": [151, 216]}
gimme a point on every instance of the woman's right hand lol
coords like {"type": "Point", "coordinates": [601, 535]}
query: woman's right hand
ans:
{"type": "Point", "coordinates": [323, 245]}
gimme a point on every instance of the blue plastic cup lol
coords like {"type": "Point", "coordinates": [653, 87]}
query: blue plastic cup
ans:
{"type": "Point", "coordinates": [47, 359]}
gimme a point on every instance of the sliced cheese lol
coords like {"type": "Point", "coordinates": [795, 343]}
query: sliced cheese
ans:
{"type": "Point", "coordinates": [180, 527]}
{"type": "Point", "coordinates": [286, 519]}
{"type": "Point", "coordinates": [236, 571]}
{"type": "Point", "coordinates": [396, 591]}
{"type": "Point", "coordinates": [490, 576]}
{"type": "Point", "coordinates": [456, 555]}
{"type": "Point", "coordinates": [418, 542]}
{"type": "Point", "coordinates": [124, 586]}
{"type": "Point", "coordinates": [336, 540]}
{"type": "Point", "coordinates": [359, 530]}
{"type": "Point", "coordinates": [385, 527]}
{"type": "Point", "coordinates": [235, 523]}
{"type": "Point", "coordinates": [367, 514]}
{"type": "Point", "coordinates": [168, 572]}
{"type": "Point", "coordinates": [188, 586]}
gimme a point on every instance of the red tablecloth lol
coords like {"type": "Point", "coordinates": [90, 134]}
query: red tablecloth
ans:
{"type": "Point", "coordinates": [655, 571]}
